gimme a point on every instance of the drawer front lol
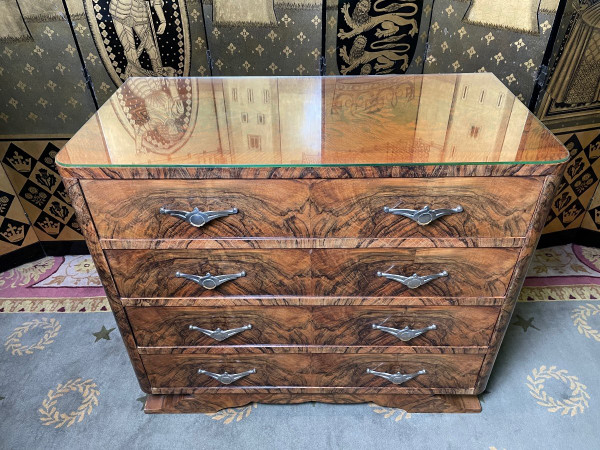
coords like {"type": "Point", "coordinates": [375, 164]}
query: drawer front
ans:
{"type": "Point", "coordinates": [491, 207]}
{"type": "Point", "coordinates": [152, 273]}
{"type": "Point", "coordinates": [313, 370]}
{"type": "Point", "coordinates": [470, 272]}
{"type": "Point", "coordinates": [126, 209]}
{"type": "Point", "coordinates": [316, 325]}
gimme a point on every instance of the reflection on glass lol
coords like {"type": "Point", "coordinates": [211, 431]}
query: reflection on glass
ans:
{"type": "Point", "coordinates": [431, 119]}
{"type": "Point", "coordinates": [153, 110]}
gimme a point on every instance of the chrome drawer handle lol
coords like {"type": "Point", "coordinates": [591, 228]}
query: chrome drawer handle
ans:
{"type": "Point", "coordinates": [221, 335]}
{"type": "Point", "coordinates": [414, 281]}
{"type": "Point", "coordinates": [227, 378]}
{"type": "Point", "coordinates": [397, 378]}
{"type": "Point", "coordinates": [196, 217]}
{"type": "Point", "coordinates": [405, 334]}
{"type": "Point", "coordinates": [423, 216]}
{"type": "Point", "coordinates": [209, 281]}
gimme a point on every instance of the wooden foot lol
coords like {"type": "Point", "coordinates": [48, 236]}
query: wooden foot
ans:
{"type": "Point", "coordinates": [207, 403]}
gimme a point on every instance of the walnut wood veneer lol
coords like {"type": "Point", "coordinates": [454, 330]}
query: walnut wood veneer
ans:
{"type": "Point", "coordinates": [312, 325]}
{"type": "Point", "coordinates": [208, 403]}
{"type": "Point", "coordinates": [472, 272]}
{"type": "Point", "coordinates": [494, 208]}
{"type": "Point", "coordinates": [321, 304]}
{"type": "Point", "coordinates": [314, 372]}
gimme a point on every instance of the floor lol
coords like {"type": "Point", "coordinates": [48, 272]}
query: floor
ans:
{"type": "Point", "coordinates": [66, 382]}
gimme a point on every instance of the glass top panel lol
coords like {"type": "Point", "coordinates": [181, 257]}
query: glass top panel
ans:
{"type": "Point", "coordinates": [312, 121]}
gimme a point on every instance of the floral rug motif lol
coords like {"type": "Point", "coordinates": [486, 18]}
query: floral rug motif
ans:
{"type": "Point", "coordinates": [75, 271]}
{"type": "Point", "coordinates": [53, 284]}
{"type": "Point", "coordinates": [67, 381]}
{"type": "Point", "coordinates": [566, 272]}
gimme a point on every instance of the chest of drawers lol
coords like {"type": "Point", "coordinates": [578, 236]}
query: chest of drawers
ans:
{"type": "Point", "coordinates": [286, 240]}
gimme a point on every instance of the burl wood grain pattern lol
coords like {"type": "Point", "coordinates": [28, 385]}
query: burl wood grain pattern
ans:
{"type": "Point", "coordinates": [492, 207]}
{"type": "Point", "coordinates": [151, 273]}
{"type": "Point", "coordinates": [130, 209]}
{"type": "Point", "coordinates": [289, 349]}
{"type": "Point", "coordinates": [91, 237]}
{"type": "Point", "coordinates": [297, 173]}
{"type": "Point", "coordinates": [472, 272]}
{"type": "Point", "coordinates": [208, 403]}
{"type": "Point", "coordinates": [267, 243]}
{"type": "Point", "coordinates": [533, 235]}
{"type": "Point", "coordinates": [314, 370]}
{"type": "Point", "coordinates": [314, 301]}
{"type": "Point", "coordinates": [321, 326]}
{"type": "Point", "coordinates": [311, 240]}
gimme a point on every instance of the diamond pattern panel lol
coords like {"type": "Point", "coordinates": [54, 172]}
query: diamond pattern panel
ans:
{"type": "Point", "coordinates": [30, 168]}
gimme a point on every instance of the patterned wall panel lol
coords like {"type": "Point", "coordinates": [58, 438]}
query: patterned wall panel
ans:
{"type": "Point", "coordinates": [264, 37]}
{"type": "Point", "coordinates": [47, 65]}
{"type": "Point", "coordinates": [376, 36]}
{"type": "Point", "coordinates": [30, 168]}
{"type": "Point", "coordinates": [572, 96]}
{"type": "Point", "coordinates": [42, 87]}
{"type": "Point", "coordinates": [571, 101]}
{"type": "Point", "coordinates": [591, 219]}
{"type": "Point", "coordinates": [120, 38]}
{"type": "Point", "coordinates": [15, 230]}
{"type": "Point", "coordinates": [505, 37]}
{"type": "Point", "coordinates": [579, 183]}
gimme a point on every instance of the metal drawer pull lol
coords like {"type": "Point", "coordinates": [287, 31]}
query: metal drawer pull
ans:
{"type": "Point", "coordinates": [196, 217]}
{"type": "Point", "coordinates": [209, 281]}
{"type": "Point", "coordinates": [397, 378]}
{"type": "Point", "coordinates": [227, 378]}
{"type": "Point", "coordinates": [423, 216]}
{"type": "Point", "coordinates": [405, 334]}
{"type": "Point", "coordinates": [221, 335]}
{"type": "Point", "coordinates": [414, 281]}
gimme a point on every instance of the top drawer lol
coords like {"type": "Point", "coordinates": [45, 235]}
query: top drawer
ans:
{"type": "Point", "coordinates": [491, 207]}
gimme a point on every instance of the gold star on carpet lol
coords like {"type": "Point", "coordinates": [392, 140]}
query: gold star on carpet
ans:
{"type": "Point", "coordinates": [103, 334]}
{"type": "Point", "coordinates": [525, 324]}
{"type": "Point", "coordinates": [142, 400]}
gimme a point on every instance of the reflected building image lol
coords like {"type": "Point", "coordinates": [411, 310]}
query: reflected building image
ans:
{"type": "Point", "coordinates": [281, 117]}
{"type": "Point", "coordinates": [252, 115]}
{"type": "Point", "coordinates": [475, 114]}
{"type": "Point", "coordinates": [295, 121]}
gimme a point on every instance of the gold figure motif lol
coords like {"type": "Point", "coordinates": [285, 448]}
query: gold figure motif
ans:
{"type": "Point", "coordinates": [385, 58]}
{"type": "Point", "coordinates": [139, 38]}
{"type": "Point", "coordinates": [163, 108]}
{"type": "Point", "coordinates": [386, 51]}
{"type": "Point", "coordinates": [154, 112]}
{"type": "Point", "coordinates": [360, 20]}
{"type": "Point", "coordinates": [131, 16]}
